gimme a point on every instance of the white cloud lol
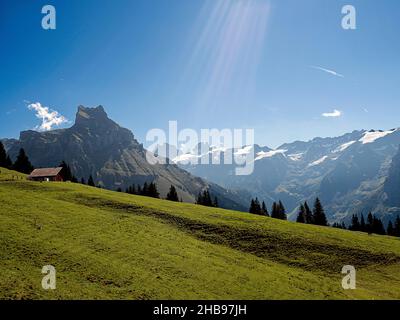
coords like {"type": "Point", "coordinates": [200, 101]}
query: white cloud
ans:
{"type": "Point", "coordinates": [49, 117]}
{"type": "Point", "coordinates": [332, 72]}
{"type": "Point", "coordinates": [334, 114]}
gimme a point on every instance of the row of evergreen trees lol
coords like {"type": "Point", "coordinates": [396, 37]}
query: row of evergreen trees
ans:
{"type": "Point", "coordinates": [204, 198]}
{"type": "Point", "coordinates": [374, 225]}
{"type": "Point", "coordinates": [278, 211]}
{"type": "Point", "coordinates": [148, 190]}
{"type": "Point", "coordinates": [21, 164]}
{"type": "Point", "coordinates": [316, 216]}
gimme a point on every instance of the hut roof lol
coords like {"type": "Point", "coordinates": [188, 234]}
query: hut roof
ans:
{"type": "Point", "coordinates": [45, 172]}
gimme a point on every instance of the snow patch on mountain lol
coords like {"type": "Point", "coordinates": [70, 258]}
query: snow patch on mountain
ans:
{"type": "Point", "coordinates": [372, 136]}
{"type": "Point", "coordinates": [296, 156]}
{"type": "Point", "coordinates": [269, 154]}
{"type": "Point", "coordinates": [317, 162]}
{"type": "Point", "coordinates": [244, 151]}
{"type": "Point", "coordinates": [344, 146]}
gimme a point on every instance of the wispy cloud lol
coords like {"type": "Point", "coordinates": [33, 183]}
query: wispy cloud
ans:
{"type": "Point", "coordinates": [50, 118]}
{"type": "Point", "coordinates": [332, 72]}
{"type": "Point", "coordinates": [334, 114]}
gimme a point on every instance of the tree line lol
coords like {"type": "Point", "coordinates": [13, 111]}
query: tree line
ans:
{"type": "Point", "coordinates": [317, 216]}
{"type": "Point", "coordinates": [373, 225]}
{"type": "Point", "coordinates": [21, 164]}
{"type": "Point", "coordinates": [205, 199]}
{"type": "Point", "coordinates": [278, 210]}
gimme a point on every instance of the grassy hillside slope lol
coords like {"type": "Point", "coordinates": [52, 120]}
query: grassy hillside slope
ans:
{"type": "Point", "coordinates": [109, 245]}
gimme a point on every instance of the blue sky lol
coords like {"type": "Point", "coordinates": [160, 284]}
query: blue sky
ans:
{"type": "Point", "coordinates": [207, 64]}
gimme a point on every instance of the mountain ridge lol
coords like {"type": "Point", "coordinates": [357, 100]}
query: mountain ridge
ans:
{"type": "Point", "coordinates": [96, 145]}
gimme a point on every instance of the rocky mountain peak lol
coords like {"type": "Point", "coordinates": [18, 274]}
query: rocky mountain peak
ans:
{"type": "Point", "coordinates": [91, 116]}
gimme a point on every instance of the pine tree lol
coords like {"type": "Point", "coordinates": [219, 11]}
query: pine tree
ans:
{"type": "Point", "coordinates": [339, 225]}
{"type": "Point", "coordinates": [66, 171]}
{"type": "Point", "coordinates": [204, 198]}
{"type": "Point", "coordinates": [145, 190]}
{"type": "Point", "coordinates": [152, 191]}
{"type": "Point", "coordinates": [252, 207]}
{"type": "Point", "coordinates": [215, 203]}
{"type": "Point", "coordinates": [281, 211]}
{"type": "Point", "coordinates": [377, 226]}
{"type": "Point", "coordinates": [370, 222]}
{"type": "Point", "coordinates": [275, 211]}
{"type": "Point", "coordinates": [264, 210]}
{"type": "Point", "coordinates": [22, 164]}
{"type": "Point", "coordinates": [83, 181]}
{"type": "Point", "coordinates": [199, 199]}
{"type": "Point", "coordinates": [172, 194]}
{"type": "Point", "coordinates": [355, 224]}
{"type": "Point", "coordinates": [390, 229]}
{"type": "Point", "coordinates": [308, 214]}
{"type": "Point", "coordinates": [3, 156]}
{"type": "Point", "coordinates": [9, 163]}
{"type": "Point", "coordinates": [91, 181]}
{"type": "Point", "coordinates": [396, 231]}
{"type": "Point", "coordinates": [319, 214]}
{"type": "Point", "coordinates": [301, 218]}
{"type": "Point", "coordinates": [363, 226]}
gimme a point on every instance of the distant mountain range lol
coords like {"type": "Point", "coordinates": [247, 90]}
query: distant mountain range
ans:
{"type": "Point", "coordinates": [355, 173]}
{"type": "Point", "coordinates": [96, 145]}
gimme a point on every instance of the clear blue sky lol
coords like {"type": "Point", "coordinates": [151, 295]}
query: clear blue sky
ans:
{"type": "Point", "coordinates": [223, 64]}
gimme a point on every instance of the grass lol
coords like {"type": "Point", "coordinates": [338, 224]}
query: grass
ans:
{"type": "Point", "coordinates": [109, 245]}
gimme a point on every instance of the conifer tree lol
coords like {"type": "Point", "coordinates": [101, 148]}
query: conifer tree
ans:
{"type": "Point", "coordinates": [252, 207]}
{"type": "Point", "coordinates": [172, 195]}
{"type": "Point", "coordinates": [66, 172]}
{"type": "Point", "coordinates": [355, 224]}
{"type": "Point", "coordinates": [301, 217]}
{"type": "Point", "coordinates": [91, 181]}
{"type": "Point", "coordinates": [390, 229]}
{"type": "Point", "coordinates": [145, 189]}
{"type": "Point", "coordinates": [396, 231]}
{"type": "Point", "coordinates": [377, 226]}
{"type": "Point", "coordinates": [275, 211]}
{"type": "Point", "coordinates": [319, 214]}
{"type": "Point", "coordinates": [22, 164]}
{"type": "Point", "coordinates": [83, 181]}
{"type": "Point", "coordinates": [3, 156]}
{"type": "Point", "coordinates": [281, 211]}
{"type": "Point", "coordinates": [152, 191]}
{"type": "Point", "coordinates": [308, 214]}
{"type": "Point", "coordinates": [363, 226]}
{"type": "Point", "coordinates": [8, 163]}
{"type": "Point", "coordinates": [215, 203]}
{"type": "Point", "coordinates": [264, 210]}
{"type": "Point", "coordinates": [370, 223]}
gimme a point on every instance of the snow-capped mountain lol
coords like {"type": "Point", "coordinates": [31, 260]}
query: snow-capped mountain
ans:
{"type": "Point", "coordinates": [346, 172]}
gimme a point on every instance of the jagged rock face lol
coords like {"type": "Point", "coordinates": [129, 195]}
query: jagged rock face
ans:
{"type": "Point", "coordinates": [347, 173]}
{"type": "Point", "coordinates": [392, 183]}
{"type": "Point", "coordinates": [95, 145]}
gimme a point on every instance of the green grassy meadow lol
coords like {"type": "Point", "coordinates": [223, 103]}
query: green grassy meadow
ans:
{"type": "Point", "coordinates": [110, 245]}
